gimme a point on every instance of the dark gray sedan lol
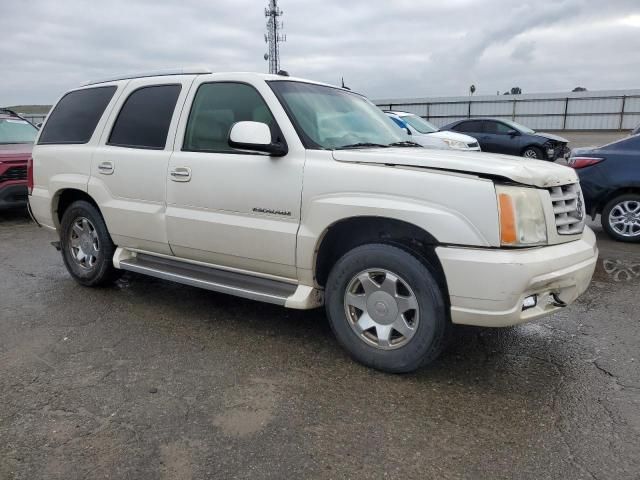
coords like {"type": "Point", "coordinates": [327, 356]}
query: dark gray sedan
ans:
{"type": "Point", "coordinates": [504, 136]}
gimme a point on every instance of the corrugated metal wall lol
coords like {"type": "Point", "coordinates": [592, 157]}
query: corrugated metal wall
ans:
{"type": "Point", "coordinates": [598, 110]}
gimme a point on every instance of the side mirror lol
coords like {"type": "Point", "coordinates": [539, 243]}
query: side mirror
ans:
{"type": "Point", "coordinates": [513, 133]}
{"type": "Point", "coordinates": [408, 131]}
{"type": "Point", "coordinates": [255, 136]}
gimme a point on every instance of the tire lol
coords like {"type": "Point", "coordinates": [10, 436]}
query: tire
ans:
{"type": "Point", "coordinates": [83, 230]}
{"type": "Point", "coordinates": [534, 153]}
{"type": "Point", "coordinates": [415, 285]}
{"type": "Point", "coordinates": [624, 207]}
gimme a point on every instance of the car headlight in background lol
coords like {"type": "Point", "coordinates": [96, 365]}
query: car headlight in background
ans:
{"type": "Point", "coordinates": [457, 144]}
{"type": "Point", "coordinates": [522, 221]}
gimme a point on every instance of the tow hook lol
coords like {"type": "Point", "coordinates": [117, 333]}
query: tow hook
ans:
{"type": "Point", "coordinates": [556, 301]}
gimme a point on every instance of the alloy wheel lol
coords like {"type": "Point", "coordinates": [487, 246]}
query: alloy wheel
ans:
{"type": "Point", "coordinates": [624, 218]}
{"type": "Point", "coordinates": [381, 309]}
{"type": "Point", "coordinates": [84, 244]}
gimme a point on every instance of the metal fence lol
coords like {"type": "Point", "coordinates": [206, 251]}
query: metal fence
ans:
{"type": "Point", "coordinates": [605, 110]}
{"type": "Point", "coordinates": [33, 118]}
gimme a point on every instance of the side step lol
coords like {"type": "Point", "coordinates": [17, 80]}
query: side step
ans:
{"type": "Point", "coordinates": [246, 286]}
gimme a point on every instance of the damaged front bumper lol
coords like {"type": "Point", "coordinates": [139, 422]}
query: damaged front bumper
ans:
{"type": "Point", "coordinates": [495, 288]}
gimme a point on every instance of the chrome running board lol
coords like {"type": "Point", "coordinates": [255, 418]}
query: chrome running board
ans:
{"type": "Point", "coordinates": [246, 286]}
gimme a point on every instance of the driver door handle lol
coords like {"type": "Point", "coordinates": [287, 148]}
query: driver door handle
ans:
{"type": "Point", "coordinates": [180, 174]}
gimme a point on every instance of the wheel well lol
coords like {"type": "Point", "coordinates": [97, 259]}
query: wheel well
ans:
{"type": "Point", "coordinates": [66, 198]}
{"type": "Point", "coordinates": [350, 233]}
{"type": "Point", "coordinates": [610, 196]}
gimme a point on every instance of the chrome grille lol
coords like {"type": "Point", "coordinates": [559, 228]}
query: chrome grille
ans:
{"type": "Point", "coordinates": [568, 208]}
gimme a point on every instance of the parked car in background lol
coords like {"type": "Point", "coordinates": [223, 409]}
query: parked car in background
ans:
{"type": "Point", "coordinates": [428, 135]}
{"type": "Point", "coordinates": [511, 138]}
{"type": "Point", "coordinates": [16, 141]}
{"type": "Point", "coordinates": [610, 179]}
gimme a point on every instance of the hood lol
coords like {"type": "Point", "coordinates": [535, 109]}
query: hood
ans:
{"type": "Point", "coordinates": [15, 152]}
{"type": "Point", "coordinates": [529, 172]}
{"type": "Point", "coordinates": [551, 136]}
{"type": "Point", "coordinates": [453, 136]}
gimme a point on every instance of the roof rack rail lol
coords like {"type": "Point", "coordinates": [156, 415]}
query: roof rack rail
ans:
{"type": "Point", "coordinates": [156, 73]}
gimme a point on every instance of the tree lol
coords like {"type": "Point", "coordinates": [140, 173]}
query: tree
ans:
{"type": "Point", "coordinates": [579, 89]}
{"type": "Point", "coordinates": [516, 90]}
{"type": "Point", "coordinates": [472, 89]}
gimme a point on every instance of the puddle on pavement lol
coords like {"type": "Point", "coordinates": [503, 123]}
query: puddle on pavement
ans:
{"type": "Point", "coordinates": [617, 271]}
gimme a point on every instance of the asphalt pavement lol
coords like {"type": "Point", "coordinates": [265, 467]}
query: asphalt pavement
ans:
{"type": "Point", "coordinates": [153, 380]}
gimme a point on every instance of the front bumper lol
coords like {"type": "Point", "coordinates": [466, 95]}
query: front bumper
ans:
{"type": "Point", "coordinates": [13, 195]}
{"type": "Point", "coordinates": [488, 287]}
{"type": "Point", "coordinates": [557, 152]}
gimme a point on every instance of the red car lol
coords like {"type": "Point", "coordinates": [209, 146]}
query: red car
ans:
{"type": "Point", "coordinates": [16, 140]}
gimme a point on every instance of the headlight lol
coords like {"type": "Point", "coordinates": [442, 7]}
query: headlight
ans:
{"type": "Point", "coordinates": [457, 144]}
{"type": "Point", "coordinates": [522, 221]}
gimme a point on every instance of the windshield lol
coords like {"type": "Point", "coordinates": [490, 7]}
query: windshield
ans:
{"type": "Point", "coordinates": [331, 118]}
{"type": "Point", "coordinates": [16, 130]}
{"type": "Point", "coordinates": [419, 123]}
{"type": "Point", "coordinates": [517, 126]}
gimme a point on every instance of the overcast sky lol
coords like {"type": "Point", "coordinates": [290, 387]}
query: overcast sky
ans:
{"type": "Point", "coordinates": [399, 48]}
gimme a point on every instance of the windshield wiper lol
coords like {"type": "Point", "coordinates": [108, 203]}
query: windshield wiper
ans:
{"type": "Point", "coordinates": [405, 143]}
{"type": "Point", "coordinates": [362, 145]}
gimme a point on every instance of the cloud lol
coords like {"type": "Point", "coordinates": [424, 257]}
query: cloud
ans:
{"type": "Point", "coordinates": [383, 49]}
{"type": "Point", "coordinates": [523, 51]}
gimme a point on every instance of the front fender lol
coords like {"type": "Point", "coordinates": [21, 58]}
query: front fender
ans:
{"type": "Point", "coordinates": [446, 225]}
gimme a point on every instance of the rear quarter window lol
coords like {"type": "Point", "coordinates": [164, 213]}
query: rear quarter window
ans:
{"type": "Point", "coordinates": [76, 115]}
{"type": "Point", "coordinates": [143, 121]}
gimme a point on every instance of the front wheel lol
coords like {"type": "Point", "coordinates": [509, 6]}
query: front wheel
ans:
{"type": "Point", "coordinates": [621, 218]}
{"type": "Point", "coordinates": [533, 153]}
{"type": "Point", "coordinates": [386, 308]}
{"type": "Point", "coordinates": [87, 249]}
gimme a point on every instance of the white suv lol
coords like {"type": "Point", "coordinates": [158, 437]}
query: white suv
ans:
{"type": "Point", "coordinates": [303, 194]}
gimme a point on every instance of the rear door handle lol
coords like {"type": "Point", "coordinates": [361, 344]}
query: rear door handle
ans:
{"type": "Point", "coordinates": [180, 174]}
{"type": "Point", "coordinates": [105, 168]}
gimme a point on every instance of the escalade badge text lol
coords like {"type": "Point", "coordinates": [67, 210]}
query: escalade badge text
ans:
{"type": "Point", "coordinates": [272, 212]}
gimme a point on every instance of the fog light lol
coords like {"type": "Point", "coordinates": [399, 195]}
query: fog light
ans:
{"type": "Point", "coordinates": [530, 302]}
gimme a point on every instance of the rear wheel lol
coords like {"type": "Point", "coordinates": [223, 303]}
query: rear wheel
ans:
{"type": "Point", "coordinates": [533, 152]}
{"type": "Point", "coordinates": [386, 308]}
{"type": "Point", "coordinates": [87, 249]}
{"type": "Point", "coordinates": [621, 218]}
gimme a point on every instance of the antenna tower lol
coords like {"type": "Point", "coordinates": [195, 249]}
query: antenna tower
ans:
{"type": "Point", "coordinates": [273, 36]}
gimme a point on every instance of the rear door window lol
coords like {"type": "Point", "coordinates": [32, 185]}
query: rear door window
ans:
{"type": "Point", "coordinates": [474, 126]}
{"type": "Point", "coordinates": [144, 119]}
{"type": "Point", "coordinates": [76, 115]}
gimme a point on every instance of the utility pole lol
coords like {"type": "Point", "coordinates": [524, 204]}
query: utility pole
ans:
{"type": "Point", "coordinates": [273, 36]}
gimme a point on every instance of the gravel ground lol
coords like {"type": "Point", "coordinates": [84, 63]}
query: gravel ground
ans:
{"type": "Point", "coordinates": [149, 379]}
